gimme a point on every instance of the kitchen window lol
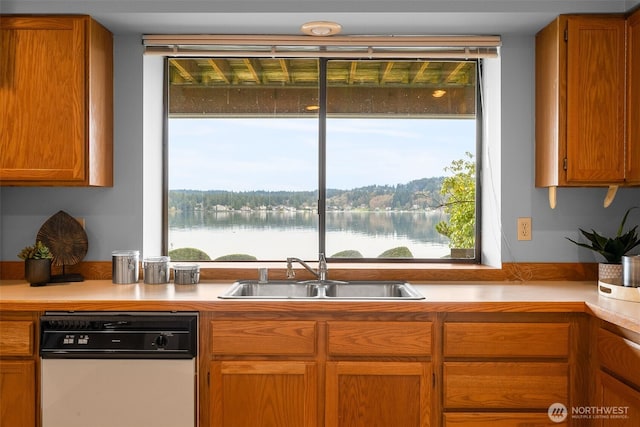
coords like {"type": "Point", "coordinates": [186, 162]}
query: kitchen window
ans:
{"type": "Point", "coordinates": [362, 159]}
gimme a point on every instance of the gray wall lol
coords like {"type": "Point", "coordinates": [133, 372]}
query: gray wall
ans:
{"type": "Point", "coordinates": [114, 216]}
{"type": "Point", "coordinates": [576, 207]}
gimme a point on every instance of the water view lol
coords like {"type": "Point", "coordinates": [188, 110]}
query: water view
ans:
{"type": "Point", "coordinates": [275, 235]}
{"type": "Point", "coordinates": [249, 163]}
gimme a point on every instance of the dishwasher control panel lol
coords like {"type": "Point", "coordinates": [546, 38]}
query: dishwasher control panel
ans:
{"type": "Point", "coordinates": [118, 335]}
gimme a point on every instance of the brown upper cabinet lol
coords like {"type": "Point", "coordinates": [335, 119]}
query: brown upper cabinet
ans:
{"type": "Point", "coordinates": [582, 83]}
{"type": "Point", "coordinates": [633, 95]}
{"type": "Point", "coordinates": [56, 98]}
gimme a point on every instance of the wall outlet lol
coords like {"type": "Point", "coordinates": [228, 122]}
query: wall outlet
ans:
{"type": "Point", "coordinates": [524, 228]}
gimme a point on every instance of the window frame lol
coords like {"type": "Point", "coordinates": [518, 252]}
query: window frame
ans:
{"type": "Point", "coordinates": [479, 119]}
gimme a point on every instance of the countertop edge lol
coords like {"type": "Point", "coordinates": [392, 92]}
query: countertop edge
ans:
{"type": "Point", "coordinates": [486, 297]}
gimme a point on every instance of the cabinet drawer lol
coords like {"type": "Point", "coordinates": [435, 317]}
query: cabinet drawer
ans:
{"type": "Point", "coordinates": [466, 339]}
{"type": "Point", "coordinates": [379, 338]}
{"type": "Point", "coordinates": [16, 338]}
{"type": "Point", "coordinates": [500, 419]}
{"type": "Point", "coordinates": [263, 337]}
{"type": "Point", "coordinates": [619, 355]}
{"type": "Point", "coordinates": [505, 385]}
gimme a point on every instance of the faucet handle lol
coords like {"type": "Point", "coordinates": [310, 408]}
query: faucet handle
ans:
{"type": "Point", "coordinates": [322, 263]}
{"type": "Point", "coordinates": [290, 271]}
{"type": "Point", "coordinates": [322, 268]}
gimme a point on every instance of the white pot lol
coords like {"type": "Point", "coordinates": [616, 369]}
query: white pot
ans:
{"type": "Point", "coordinates": [610, 273]}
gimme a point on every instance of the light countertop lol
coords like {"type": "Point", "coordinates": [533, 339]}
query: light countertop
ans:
{"type": "Point", "coordinates": [522, 297]}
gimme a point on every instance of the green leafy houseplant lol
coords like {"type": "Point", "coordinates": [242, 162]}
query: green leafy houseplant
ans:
{"type": "Point", "coordinates": [37, 251]}
{"type": "Point", "coordinates": [460, 192]}
{"type": "Point", "coordinates": [611, 248]}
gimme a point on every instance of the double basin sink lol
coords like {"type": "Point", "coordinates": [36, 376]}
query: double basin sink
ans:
{"type": "Point", "coordinates": [326, 289]}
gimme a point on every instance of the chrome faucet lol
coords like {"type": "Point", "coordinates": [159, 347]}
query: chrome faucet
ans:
{"type": "Point", "coordinates": [321, 274]}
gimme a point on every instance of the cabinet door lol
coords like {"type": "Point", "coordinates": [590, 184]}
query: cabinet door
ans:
{"type": "Point", "coordinates": [377, 394]}
{"type": "Point", "coordinates": [42, 99]}
{"type": "Point", "coordinates": [595, 99]}
{"type": "Point", "coordinates": [264, 394]}
{"type": "Point", "coordinates": [619, 356]}
{"type": "Point", "coordinates": [619, 404]}
{"type": "Point", "coordinates": [17, 393]}
{"type": "Point", "coordinates": [633, 94]}
{"type": "Point", "coordinates": [56, 98]}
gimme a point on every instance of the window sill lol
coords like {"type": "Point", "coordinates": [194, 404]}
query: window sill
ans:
{"type": "Point", "coordinates": [97, 270]}
{"type": "Point", "coordinates": [412, 272]}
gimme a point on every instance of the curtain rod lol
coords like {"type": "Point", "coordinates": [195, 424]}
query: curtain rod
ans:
{"type": "Point", "coordinates": [410, 47]}
{"type": "Point", "coordinates": [269, 40]}
{"type": "Point", "coordinates": [439, 54]}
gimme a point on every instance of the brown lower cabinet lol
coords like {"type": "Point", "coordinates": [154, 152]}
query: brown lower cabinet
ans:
{"type": "Point", "coordinates": [264, 393]}
{"type": "Point", "coordinates": [378, 394]}
{"type": "Point", "coordinates": [17, 388]}
{"type": "Point", "coordinates": [18, 404]}
{"type": "Point", "coordinates": [320, 372]}
{"type": "Point", "coordinates": [505, 370]}
{"type": "Point", "coordinates": [378, 373]}
{"type": "Point", "coordinates": [383, 370]}
{"type": "Point", "coordinates": [261, 372]}
{"type": "Point", "coordinates": [619, 404]}
{"type": "Point", "coordinates": [618, 378]}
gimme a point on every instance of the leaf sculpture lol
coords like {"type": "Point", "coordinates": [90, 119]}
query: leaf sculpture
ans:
{"type": "Point", "coordinates": [66, 239]}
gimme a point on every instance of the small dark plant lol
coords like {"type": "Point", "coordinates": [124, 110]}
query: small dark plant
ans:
{"type": "Point", "coordinates": [37, 251]}
{"type": "Point", "coordinates": [612, 248]}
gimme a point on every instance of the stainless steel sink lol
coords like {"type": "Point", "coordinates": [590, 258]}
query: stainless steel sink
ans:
{"type": "Point", "coordinates": [271, 289]}
{"type": "Point", "coordinates": [328, 289]}
{"type": "Point", "coordinates": [372, 290]}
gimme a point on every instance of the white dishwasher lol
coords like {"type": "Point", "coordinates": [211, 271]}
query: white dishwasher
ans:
{"type": "Point", "coordinates": [125, 369]}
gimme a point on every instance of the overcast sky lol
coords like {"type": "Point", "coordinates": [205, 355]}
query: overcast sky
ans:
{"type": "Point", "coordinates": [281, 154]}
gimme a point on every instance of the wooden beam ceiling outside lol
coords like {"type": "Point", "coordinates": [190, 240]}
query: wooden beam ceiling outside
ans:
{"type": "Point", "coordinates": [385, 86]}
{"type": "Point", "coordinates": [222, 68]}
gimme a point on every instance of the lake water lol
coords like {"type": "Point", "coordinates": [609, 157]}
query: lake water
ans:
{"type": "Point", "coordinates": [271, 235]}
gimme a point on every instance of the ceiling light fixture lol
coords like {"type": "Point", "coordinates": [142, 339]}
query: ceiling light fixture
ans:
{"type": "Point", "coordinates": [438, 93]}
{"type": "Point", "coordinates": [321, 28]}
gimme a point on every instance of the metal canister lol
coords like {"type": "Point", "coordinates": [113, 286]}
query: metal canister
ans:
{"type": "Point", "coordinates": [156, 270]}
{"type": "Point", "coordinates": [125, 266]}
{"type": "Point", "coordinates": [631, 271]}
{"type": "Point", "coordinates": [186, 274]}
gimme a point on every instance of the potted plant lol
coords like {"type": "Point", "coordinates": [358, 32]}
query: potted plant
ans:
{"type": "Point", "coordinates": [459, 190]}
{"type": "Point", "coordinates": [611, 248]}
{"type": "Point", "coordinates": [37, 263]}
